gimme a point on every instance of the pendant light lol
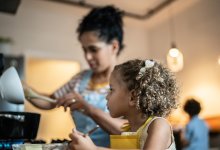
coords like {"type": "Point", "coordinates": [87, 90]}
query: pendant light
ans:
{"type": "Point", "coordinates": [174, 56]}
{"type": "Point", "coordinates": [219, 60]}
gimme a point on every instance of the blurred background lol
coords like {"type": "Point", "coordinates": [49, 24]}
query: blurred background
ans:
{"type": "Point", "coordinates": [38, 37]}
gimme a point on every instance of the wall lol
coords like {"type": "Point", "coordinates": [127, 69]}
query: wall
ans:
{"type": "Point", "coordinates": [46, 29]}
{"type": "Point", "coordinates": [46, 75]}
{"type": "Point", "coordinates": [197, 36]}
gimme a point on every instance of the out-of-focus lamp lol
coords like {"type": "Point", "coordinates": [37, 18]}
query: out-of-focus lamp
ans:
{"type": "Point", "coordinates": [175, 59]}
{"type": "Point", "coordinates": [174, 56]}
{"type": "Point", "coordinates": [219, 60]}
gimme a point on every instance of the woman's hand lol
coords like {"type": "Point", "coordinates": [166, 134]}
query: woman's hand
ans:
{"type": "Point", "coordinates": [73, 100]}
{"type": "Point", "coordinates": [80, 141]}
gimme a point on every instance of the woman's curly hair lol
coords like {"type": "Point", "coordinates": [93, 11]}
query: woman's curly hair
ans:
{"type": "Point", "coordinates": [156, 89]}
{"type": "Point", "coordinates": [106, 22]}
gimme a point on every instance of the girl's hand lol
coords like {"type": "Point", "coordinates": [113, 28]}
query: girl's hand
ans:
{"type": "Point", "coordinates": [80, 141]}
{"type": "Point", "coordinates": [73, 100]}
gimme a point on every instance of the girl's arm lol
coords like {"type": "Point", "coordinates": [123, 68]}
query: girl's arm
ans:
{"type": "Point", "coordinates": [159, 135]}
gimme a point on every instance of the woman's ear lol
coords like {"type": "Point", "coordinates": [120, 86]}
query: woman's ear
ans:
{"type": "Point", "coordinates": [115, 46]}
{"type": "Point", "coordinates": [133, 99]}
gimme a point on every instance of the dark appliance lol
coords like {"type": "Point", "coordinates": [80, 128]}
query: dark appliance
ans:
{"type": "Point", "coordinates": [16, 127]}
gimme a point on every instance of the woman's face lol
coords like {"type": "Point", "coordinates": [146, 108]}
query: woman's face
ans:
{"type": "Point", "coordinates": [118, 97]}
{"type": "Point", "coordinates": [99, 54]}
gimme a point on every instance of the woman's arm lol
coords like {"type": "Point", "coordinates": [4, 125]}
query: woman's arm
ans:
{"type": "Point", "coordinates": [38, 100]}
{"type": "Point", "coordinates": [39, 103]}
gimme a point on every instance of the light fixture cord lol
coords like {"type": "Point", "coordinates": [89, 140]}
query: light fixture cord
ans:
{"type": "Point", "coordinates": [172, 28]}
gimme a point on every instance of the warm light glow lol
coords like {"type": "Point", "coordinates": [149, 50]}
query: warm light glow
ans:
{"type": "Point", "coordinates": [175, 60]}
{"type": "Point", "coordinates": [174, 52]}
{"type": "Point", "coordinates": [207, 93]}
{"type": "Point", "coordinates": [219, 60]}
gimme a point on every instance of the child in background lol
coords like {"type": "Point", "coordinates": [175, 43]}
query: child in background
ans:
{"type": "Point", "coordinates": [144, 92]}
{"type": "Point", "coordinates": [196, 134]}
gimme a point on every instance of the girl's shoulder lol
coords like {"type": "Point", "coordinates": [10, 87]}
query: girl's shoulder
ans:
{"type": "Point", "coordinates": [158, 124]}
{"type": "Point", "coordinates": [159, 120]}
{"type": "Point", "coordinates": [158, 128]}
{"type": "Point", "coordinates": [163, 130]}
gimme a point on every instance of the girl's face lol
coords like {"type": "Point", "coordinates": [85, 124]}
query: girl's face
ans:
{"type": "Point", "coordinates": [99, 54]}
{"type": "Point", "coordinates": [118, 96]}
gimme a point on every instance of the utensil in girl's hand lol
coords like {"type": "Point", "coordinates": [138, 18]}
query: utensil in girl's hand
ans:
{"type": "Point", "coordinates": [91, 131]}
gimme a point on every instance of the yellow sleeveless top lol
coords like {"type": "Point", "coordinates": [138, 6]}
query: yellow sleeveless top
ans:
{"type": "Point", "coordinates": [128, 140]}
{"type": "Point", "coordinates": [135, 140]}
{"type": "Point", "coordinates": [144, 135]}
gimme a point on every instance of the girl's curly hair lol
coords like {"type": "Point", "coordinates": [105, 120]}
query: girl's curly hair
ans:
{"type": "Point", "coordinates": [156, 90]}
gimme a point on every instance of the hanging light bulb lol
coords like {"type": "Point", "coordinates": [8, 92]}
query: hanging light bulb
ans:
{"type": "Point", "coordinates": [175, 59]}
{"type": "Point", "coordinates": [174, 56]}
{"type": "Point", "coordinates": [219, 60]}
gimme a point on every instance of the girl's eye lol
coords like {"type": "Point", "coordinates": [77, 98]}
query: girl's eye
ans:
{"type": "Point", "coordinates": [110, 90]}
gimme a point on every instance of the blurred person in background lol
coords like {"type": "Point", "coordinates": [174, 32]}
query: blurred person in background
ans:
{"type": "Point", "coordinates": [100, 33]}
{"type": "Point", "coordinates": [195, 136]}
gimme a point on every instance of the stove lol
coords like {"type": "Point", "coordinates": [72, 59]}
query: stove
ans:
{"type": "Point", "coordinates": [17, 127]}
{"type": "Point", "coordinates": [55, 144]}
{"type": "Point", "coordinates": [7, 144]}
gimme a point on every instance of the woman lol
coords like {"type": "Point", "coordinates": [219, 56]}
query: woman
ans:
{"type": "Point", "coordinates": [101, 36]}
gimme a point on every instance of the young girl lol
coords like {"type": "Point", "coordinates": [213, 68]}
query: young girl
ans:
{"type": "Point", "coordinates": [144, 92]}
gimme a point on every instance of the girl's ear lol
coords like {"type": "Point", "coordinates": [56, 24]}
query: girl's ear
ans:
{"type": "Point", "coordinates": [133, 100]}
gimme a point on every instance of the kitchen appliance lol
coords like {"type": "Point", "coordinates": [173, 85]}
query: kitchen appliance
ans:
{"type": "Point", "coordinates": [15, 127]}
{"type": "Point", "coordinates": [6, 61]}
{"type": "Point", "coordinates": [11, 88]}
{"type": "Point", "coordinates": [18, 125]}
